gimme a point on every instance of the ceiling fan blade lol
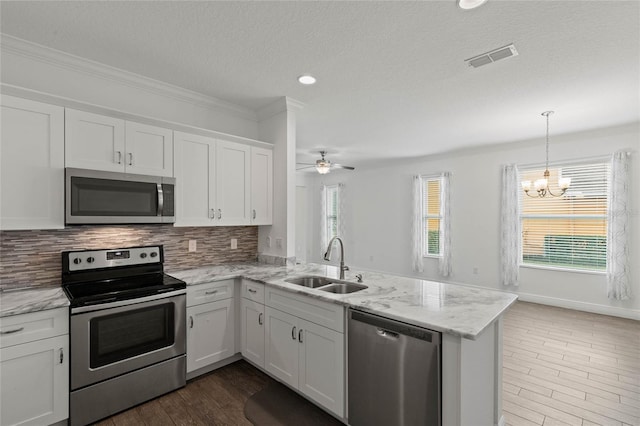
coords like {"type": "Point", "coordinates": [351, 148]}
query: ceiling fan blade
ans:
{"type": "Point", "coordinates": [305, 167]}
{"type": "Point", "coordinates": [306, 164]}
{"type": "Point", "coordinates": [340, 166]}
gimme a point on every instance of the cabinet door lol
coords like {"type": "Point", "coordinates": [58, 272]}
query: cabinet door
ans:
{"type": "Point", "coordinates": [149, 150]}
{"type": "Point", "coordinates": [252, 331]}
{"type": "Point", "coordinates": [210, 333]}
{"type": "Point", "coordinates": [233, 196]}
{"type": "Point", "coordinates": [34, 389]}
{"type": "Point", "coordinates": [281, 346]}
{"type": "Point", "coordinates": [194, 161]}
{"type": "Point", "coordinates": [94, 141]}
{"type": "Point", "coordinates": [261, 186]}
{"type": "Point", "coordinates": [31, 165]}
{"type": "Point", "coordinates": [321, 375]}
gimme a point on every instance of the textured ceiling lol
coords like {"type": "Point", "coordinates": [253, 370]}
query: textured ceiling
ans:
{"type": "Point", "coordinates": [392, 81]}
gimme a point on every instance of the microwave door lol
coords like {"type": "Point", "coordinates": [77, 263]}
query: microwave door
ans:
{"type": "Point", "coordinates": [104, 197]}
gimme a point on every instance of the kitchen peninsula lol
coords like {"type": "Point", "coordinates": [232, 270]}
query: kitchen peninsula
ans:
{"type": "Point", "coordinates": [469, 318]}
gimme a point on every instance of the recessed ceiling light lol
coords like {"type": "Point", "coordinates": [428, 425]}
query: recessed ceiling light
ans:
{"type": "Point", "coordinates": [307, 79]}
{"type": "Point", "coordinates": [470, 4]}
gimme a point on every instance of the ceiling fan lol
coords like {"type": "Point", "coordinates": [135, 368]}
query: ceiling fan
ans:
{"type": "Point", "coordinates": [323, 166]}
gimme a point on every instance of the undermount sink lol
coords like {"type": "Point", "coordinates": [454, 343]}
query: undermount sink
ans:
{"type": "Point", "coordinates": [329, 285]}
{"type": "Point", "coordinates": [310, 281]}
{"type": "Point", "coordinates": [343, 288]}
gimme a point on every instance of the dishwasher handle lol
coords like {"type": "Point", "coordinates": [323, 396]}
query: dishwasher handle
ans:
{"type": "Point", "coordinates": [392, 329]}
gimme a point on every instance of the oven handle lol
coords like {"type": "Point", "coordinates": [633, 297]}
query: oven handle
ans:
{"type": "Point", "coordinates": [82, 309]}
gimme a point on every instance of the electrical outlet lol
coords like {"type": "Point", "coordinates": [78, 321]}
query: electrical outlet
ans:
{"type": "Point", "coordinates": [234, 244]}
{"type": "Point", "coordinates": [279, 243]}
{"type": "Point", "coordinates": [268, 241]}
{"type": "Point", "coordinates": [192, 245]}
{"type": "Point", "coordinates": [475, 270]}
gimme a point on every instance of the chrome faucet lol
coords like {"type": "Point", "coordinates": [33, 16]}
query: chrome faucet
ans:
{"type": "Point", "coordinates": [327, 256]}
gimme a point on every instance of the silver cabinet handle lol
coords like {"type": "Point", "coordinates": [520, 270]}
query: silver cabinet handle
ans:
{"type": "Point", "coordinates": [254, 213]}
{"type": "Point", "coordinates": [260, 318]}
{"type": "Point", "coordinates": [300, 336]}
{"type": "Point", "coordinates": [219, 214]}
{"type": "Point", "coordinates": [119, 160]}
{"type": "Point", "coordinates": [190, 322]}
{"type": "Point", "coordinates": [293, 333]}
{"type": "Point", "coordinates": [213, 214]}
{"type": "Point", "coordinates": [12, 331]}
{"type": "Point", "coordinates": [131, 159]}
{"type": "Point", "coordinates": [211, 292]}
{"type": "Point", "coordinates": [61, 355]}
{"type": "Point", "coordinates": [250, 290]}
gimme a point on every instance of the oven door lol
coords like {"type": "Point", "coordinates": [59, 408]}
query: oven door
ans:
{"type": "Point", "coordinates": [109, 342]}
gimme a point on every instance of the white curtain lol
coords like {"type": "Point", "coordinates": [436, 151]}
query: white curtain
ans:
{"type": "Point", "coordinates": [323, 220]}
{"type": "Point", "coordinates": [618, 231]}
{"type": "Point", "coordinates": [444, 262]}
{"type": "Point", "coordinates": [416, 225]}
{"type": "Point", "coordinates": [510, 227]}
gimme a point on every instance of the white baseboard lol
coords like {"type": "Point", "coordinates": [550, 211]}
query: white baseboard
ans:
{"type": "Point", "coordinates": [580, 306]}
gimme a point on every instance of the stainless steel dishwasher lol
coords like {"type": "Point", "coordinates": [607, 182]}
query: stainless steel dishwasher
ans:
{"type": "Point", "coordinates": [394, 373]}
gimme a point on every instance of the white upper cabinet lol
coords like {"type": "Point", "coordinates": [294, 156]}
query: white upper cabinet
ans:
{"type": "Point", "coordinates": [261, 186]}
{"type": "Point", "coordinates": [233, 204]}
{"type": "Point", "coordinates": [31, 165]}
{"type": "Point", "coordinates": [99, 142]}
{"type": "Point", "coordinates": [94, 141]}
{"type": "Point", "coordinates": [214, 182]}
{"type": "Point", "coordinates": [195, 163]}
{"type": "Point", "coordinates": [149, 150]}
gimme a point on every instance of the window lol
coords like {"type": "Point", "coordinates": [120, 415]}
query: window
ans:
{"type": "Point", "coordinates": [570, 231]}
{"type": "Point", "coordinates": [431, 215]}
{"type": "Point", "coordinates": [332, 211]}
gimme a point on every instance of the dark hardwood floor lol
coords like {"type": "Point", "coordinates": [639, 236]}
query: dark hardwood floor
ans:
{"type": "Point", "coordinates": [216, 398]}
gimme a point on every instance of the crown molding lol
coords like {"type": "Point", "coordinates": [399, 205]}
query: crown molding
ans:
{"type": "Point", "coordinates": [281, 105]}
{"type": "Point", "coordinates": [96, 69]}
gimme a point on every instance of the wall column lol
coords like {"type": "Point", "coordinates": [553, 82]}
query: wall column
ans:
{"type": "Point", "coordinates": [277, 125]}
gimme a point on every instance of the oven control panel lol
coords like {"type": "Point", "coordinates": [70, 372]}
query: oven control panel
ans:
{"type": "Point", "coordinates": [97, 259]}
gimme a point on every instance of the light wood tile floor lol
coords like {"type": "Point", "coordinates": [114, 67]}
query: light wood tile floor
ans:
{"type": "Point", "coordinates": [566, 367]}
{"type": "Point", "coordinates": [561, 367]}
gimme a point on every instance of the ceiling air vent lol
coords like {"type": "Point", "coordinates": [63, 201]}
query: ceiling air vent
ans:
{"type": "Point", "coordinates": [492, 56]}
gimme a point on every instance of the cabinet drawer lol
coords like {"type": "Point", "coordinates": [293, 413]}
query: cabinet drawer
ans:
{"type": "Point", "coordinates": [322, 313]}
{"type": "Point", "coordinates": [253, 291]}
{"type": "Point", "coordinates": [24, 328]}
{"type": "Point", "coordinates": [209, 292]}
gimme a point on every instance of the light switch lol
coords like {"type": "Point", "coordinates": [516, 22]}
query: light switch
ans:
{"type": "Point", "coordinates": [234, 243]}
{"type": "Point", "coordinates": [192, 245]}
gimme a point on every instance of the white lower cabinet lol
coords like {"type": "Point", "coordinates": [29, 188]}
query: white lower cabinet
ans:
{"type": "Point", "coordinates": [252, 334]}
{"type": "Point", "coordinates": [210, 325]}
{"type": "Point", "coordinates": [34, 374]}
{"type": "Point", "coordinates": [307, 356]}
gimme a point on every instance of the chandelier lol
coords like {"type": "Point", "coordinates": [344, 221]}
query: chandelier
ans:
{"type": "Point", "coordinates": [542, 185]}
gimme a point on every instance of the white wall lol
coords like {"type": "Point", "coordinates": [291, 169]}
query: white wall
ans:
{"type": "Point", "coordinates": [378, 215]}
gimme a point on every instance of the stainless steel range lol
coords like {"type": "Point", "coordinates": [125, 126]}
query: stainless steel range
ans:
{"type": "Point", "coordinates": [127, 329]}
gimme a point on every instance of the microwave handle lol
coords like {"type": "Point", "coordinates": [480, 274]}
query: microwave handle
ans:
{"type": "Point", "coordinates": [160, 199]}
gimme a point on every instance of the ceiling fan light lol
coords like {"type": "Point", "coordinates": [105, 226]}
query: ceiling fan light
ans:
{"type": "Point", "coordinates": [470, 4]}
{"type": "Point", "coordinates": [323, 169]}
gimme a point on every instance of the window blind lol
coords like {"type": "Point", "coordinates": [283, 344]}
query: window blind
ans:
{"type": "Point", "coordinates": [332, 211]}
{"type": "Point", "coordinates": [431, 216]}
{"type": "Point", "coordinates": [568, 231]}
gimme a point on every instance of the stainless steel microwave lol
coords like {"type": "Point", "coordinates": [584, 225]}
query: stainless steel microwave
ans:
{"type": "Point", "coordinates": [97, 197]}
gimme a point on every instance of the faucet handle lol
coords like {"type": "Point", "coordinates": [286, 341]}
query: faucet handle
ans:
{"type": "Point", "coordinates": [345, 268]}
{"type": "Point", "coordinates": [359, 277]}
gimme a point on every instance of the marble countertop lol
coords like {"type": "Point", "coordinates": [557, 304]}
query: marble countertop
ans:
{"type": "Point", "coordinates": [23, 301]}
{"type": "Point", "coordinates": [455, 309]}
